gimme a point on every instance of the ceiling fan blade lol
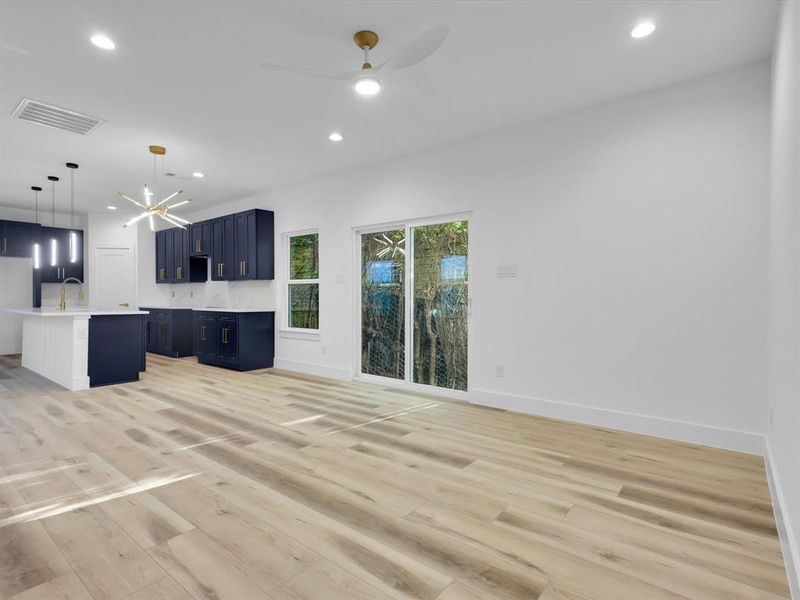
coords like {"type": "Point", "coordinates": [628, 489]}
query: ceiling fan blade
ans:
{"type": "Point", "coordinates": [419, 48]}
{"type": "Point", "coordinates": [336, 75]}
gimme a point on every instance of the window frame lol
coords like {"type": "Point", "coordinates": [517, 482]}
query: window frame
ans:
{"type": "Point", "coordinates": [286, 325]}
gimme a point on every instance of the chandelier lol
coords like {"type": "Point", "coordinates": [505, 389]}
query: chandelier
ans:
{"type": "Point", "coordinates": [160, 208]}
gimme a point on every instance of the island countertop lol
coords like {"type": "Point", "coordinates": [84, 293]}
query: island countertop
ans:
{"type": "Point", "coordinates": [72, 312]}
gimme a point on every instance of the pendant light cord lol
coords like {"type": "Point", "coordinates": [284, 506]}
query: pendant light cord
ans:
{"type": "Point", "coordinates": [72, 198]}
{"type": "Point", "coordinates": [53, 201]}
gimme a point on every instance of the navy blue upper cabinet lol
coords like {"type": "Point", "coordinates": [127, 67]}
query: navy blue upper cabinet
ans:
{"type": "Point", "coordinates": [161, 257]}
{"type": "Point", "coordinates": [239, 246]}
{"type": "Point", "coordinates": [200, 243]}
{"type": "Point", "coordinates": [61, 254]}
{"type": "Point", "coordinates": [223, 249]}
{"type": "Point", "coordinates": [174, 263]}
{"type": "Point", "coordinates": [17, 239]}
{"type": "Point", "coordinates": [255, 232]}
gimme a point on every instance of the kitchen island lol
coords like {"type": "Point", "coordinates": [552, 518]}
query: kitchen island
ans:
{"type": "Point", "coordinates": [80, 348]}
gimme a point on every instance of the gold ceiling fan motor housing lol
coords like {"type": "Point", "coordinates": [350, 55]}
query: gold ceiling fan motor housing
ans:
{"type": "Point", "coordinates": [366, 40]}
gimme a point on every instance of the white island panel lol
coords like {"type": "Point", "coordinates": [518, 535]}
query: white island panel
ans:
{"type": "Point", "coordinates": [58, 349]}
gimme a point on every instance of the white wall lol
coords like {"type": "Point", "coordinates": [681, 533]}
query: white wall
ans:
{"type": "Point", "coordinates": [639, 231]}
{"type": "Point", "coordinates": [784, 284]}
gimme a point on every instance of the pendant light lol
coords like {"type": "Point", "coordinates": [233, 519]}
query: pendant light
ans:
{"type": "Point", "coordinates": [37, 252]}
{"type": "Point", "coordinates": [72, 166]}
{"type": "Point", "coordinates": [52, 179]}
{"type": "Point", "coordinates": [36, 189]}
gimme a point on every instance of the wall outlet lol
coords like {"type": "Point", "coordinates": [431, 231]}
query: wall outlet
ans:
{"type": "Point", "coordinates": [191, 294]}
{"type": "Point", "coordinates": [172, 294]}
{"type": "Point", "coordinates": [324, 350]}
{"type": "Point", "coordinates": [499, 371]}
{"type": "Point", "coordinates": [339, 278]}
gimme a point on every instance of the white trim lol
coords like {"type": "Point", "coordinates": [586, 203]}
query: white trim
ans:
{"type": "Point", "coordinates": [410, 385]}
{"type": "Point", "coordinates": [314, 369]}
{"type": "Point", "coordinates": [694, 433]}
{"type": "Point", "coordinates": [300, 334]}
{"type": "Point", "coordinates": [791, 553]}
{"type": "Point", "coordinates": [408, 225]}
{"type": "Point", "coordinates": [284, 325]}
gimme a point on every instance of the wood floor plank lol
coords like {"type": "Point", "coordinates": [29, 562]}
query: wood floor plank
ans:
{"type": "Point", "coordinates": [302, 487]}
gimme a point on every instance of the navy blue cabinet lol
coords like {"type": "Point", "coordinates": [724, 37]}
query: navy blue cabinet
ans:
{"type": "Point", "coordinates": [174, 263]}
{"type": "Point", "coordinates": [255, 245]}
{"type": "Point", "coordinates": [237, 340]}
{"type": "Point", "coordinates": [168, 331]}
{"type": "Point", "coordinates": [200, 239]}
{"type": "Point", "coordinates": [223, 249]}
{"type": "Point", "coordinates": [17, 238]}
{"type": "Point", "coordinates": [61, 254]}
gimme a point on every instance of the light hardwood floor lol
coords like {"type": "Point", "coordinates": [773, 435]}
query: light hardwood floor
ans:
{"type": "Point", "coordinates": [198, 482]}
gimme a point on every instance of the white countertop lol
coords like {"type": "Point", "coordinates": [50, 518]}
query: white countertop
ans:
{"type": "Point", "coordinates": [206, 308]}
{"type": "Point", "coordinates": [233, 310]}
{"type": "Point", "coordinates": [75, 311]}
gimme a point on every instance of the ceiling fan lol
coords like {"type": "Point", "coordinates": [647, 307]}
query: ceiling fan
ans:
{"type": "Point", "coordinates": [365, 80]}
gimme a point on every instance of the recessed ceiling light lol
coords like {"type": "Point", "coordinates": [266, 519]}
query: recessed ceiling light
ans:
{"type": "Point", "coordinates": [367, 86]}
{"type": "Point", "coordinates": [102, 41]}
{"type": "Point", "coordinates": [198, 174]}
{"type": "Point", "coordinates": [335, 137]}
{"type": "Point", "coordinates": [642, 29]}
{"type": "Point", "coordinates": [111, 207]}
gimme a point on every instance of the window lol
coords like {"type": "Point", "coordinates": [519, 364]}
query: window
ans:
{"type": "Point", "coordinates": [303, 282]}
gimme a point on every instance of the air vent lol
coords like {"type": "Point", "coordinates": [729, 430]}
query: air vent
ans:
{"type": "Point", "coordinates": [55, 116]}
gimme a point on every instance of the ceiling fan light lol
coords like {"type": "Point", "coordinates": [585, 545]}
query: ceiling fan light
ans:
{"type": "Point", "coordinates": [367, 86]}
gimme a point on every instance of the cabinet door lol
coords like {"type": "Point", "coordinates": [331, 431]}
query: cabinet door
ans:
{"type": "Point", "coordinates": [169, 250]}
{"type": "Point", "coordinates": [149, 333]}
{"type": "Point", "coordinates": [161, 257]}
{"type": "Point", "coordinates": [201, 238]}
{"type": "Point", "coordinates": [205, 332]}
{"type": "Point", "coordinates": [181, 259]}
{"type": "Point", "coordinates": [163, 331]}
{"type": "Point", "coordinates": [227, 338]}
{"type": "Point", "coordinates": [245, 243]}
{"type": "Point", "coordinates": [54, 252]}
{"type": "Point", "coordinates": [15, 239]}
{"type": "Point", "coordinates": [73, 254]}
{"type": "Point", "coordinates": [223, 249]}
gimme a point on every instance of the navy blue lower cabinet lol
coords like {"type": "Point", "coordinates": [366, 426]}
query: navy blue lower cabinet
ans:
{"type": "Point", "coordinates": [237, 340]}
{"type": "Point", "coordinates": [116, 353]}
{"type": "Point", "coordinates": [168, 331]}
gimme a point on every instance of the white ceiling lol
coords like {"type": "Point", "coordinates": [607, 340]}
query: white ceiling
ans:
{"type": "Point", "coordinates": [186, 75]}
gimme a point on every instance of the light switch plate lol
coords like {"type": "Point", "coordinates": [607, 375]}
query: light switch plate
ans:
{"type": "Point", "coordinates": [506, 271]}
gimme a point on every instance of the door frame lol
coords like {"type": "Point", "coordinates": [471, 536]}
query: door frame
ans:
{"type": "Point", "coordinates": [408, 225]}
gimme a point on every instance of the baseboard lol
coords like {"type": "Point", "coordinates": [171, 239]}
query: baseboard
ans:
{"type": "Point", "coordinates": [314, 369]}
{"type": "Point", "coordinates": [791, 553]}
{"type": "Point", "coordinates": [706, 435]}
{"type": "Point", "coordinates": [10, 348]}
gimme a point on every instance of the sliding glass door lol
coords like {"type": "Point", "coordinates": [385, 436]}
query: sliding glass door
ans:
{"type": "Point", "coordinates": [383, 305]}
{"type": "Point", "coordinates": [414, 304]}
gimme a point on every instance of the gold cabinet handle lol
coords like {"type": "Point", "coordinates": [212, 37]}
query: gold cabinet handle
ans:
{"type": "Point", "coordinates": [123, 304]}
{"type": "Point", "coordinates": [179, 272]}
{"type": "Point", "coordinates": [203, 333]}
{"type": "Point", "coordinates": [225, 336]}
{"type": "Point", "coordinates": [5, 245]}
{"type": "Point", "coordinates": [244, 267]}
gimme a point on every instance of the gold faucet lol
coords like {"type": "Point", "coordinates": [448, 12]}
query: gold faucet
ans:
{"type": "Point", "coordinates": [63, 305]}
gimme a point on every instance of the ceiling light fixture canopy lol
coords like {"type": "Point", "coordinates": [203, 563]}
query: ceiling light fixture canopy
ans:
{"type": "Point", "coordinates": [103, 41]}
{"type": "Point", "coordinates": [161, 208]}
{"type": "Point", "coordinates": [642, 29]}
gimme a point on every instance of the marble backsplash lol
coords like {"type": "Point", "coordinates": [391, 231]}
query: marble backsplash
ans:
{"type": "Point", "coordinates": [221, 294]}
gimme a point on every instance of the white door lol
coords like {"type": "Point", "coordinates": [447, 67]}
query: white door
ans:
{"type": "Point", "coordinates": [114, 285]}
